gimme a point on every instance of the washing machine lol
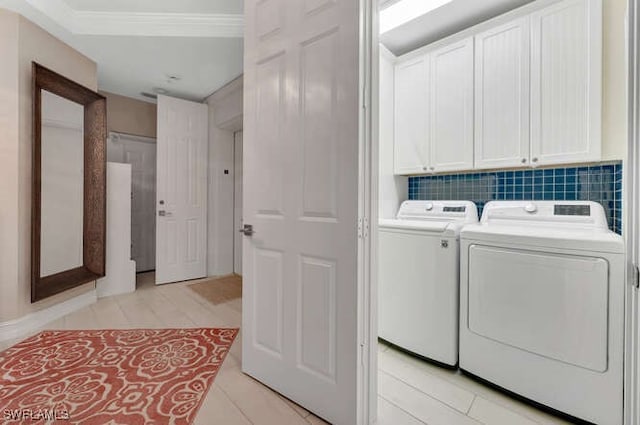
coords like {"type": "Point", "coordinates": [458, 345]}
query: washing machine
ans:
{"type": "Point", "coordinates": [542, 305]}
{"type": "Point", "coordinates": [418, 284]}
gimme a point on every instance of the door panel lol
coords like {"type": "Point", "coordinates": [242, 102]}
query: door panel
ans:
{"type": "Point", "coordinates": [181, 225]}
{"type": "Point", "coordinates": [268, 301]}
{"type": "Point", "coordinates": [411, 115]}
{"type": "Point", "coordinates": [566, 82]}
{"type": "Point", "coordinates": [550, 304]}
{"type": "Point", "coordinates": [316, 310]}
{"type": "Point", "coordinates": [451, 93]}
{"type": "Point", "coordinates": [502, 96]}
{"type": "Point", "coordinates": [319, 98]}
{"type": "Point", "coordinates": [301, 153]}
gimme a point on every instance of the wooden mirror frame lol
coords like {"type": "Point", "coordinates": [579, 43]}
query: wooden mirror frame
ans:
{"type": "Point", "coordinates": [95, 182]}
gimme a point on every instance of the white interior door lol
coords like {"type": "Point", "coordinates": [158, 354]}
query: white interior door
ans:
{"type": "Point", "coordinates": [181, 225]}
{"type": "Point", "coordinates": [237, 202]}
{"type": "Point", "coordinates": [301, 168]}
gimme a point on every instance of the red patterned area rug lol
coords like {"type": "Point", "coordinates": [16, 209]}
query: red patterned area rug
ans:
{"type": "Point", "coordinates": [138, 376]}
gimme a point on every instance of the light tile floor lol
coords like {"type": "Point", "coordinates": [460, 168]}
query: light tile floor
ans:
{"type": "Point", "coordinates": [411, 392]}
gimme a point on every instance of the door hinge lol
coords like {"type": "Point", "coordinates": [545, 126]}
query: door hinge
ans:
{"type": "Point", "coordinates": [363, 227]}
{"type": "Point", "coordinates": [366, 227]}
{"type": "Point", "coordinates": [636, 276]}
{"type": "Point", "coordinates": [364, 97]}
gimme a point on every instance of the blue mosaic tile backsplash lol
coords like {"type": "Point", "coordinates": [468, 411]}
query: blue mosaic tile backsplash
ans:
{"type": "Point", "coordinates": [599, 183]}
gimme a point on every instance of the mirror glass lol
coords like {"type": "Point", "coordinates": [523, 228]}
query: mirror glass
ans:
{"type": "Point", "coordinates": [62, 168]}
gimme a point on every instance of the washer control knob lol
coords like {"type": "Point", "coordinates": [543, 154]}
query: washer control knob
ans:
{"type": "Point", "coordinates": [531, 208]}
{"type": "Point", "coordinates": [429, 206]}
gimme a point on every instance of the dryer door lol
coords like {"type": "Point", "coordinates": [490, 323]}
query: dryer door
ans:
{"type": "Point", "coordinates": [553, 305]}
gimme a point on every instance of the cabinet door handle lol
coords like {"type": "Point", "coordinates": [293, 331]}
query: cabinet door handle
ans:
{"type": "Point", "coordinates": [524, 160]}
{"type": "Point", "coordinates": [535, 160]}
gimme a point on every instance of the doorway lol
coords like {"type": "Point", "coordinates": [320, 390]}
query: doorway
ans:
{"type": "Point", "coordinates": [237, 202]}
{"type": "Point", "coordinates": [140, 152]}
{"type": "Point", "coordinates": [409, 387]}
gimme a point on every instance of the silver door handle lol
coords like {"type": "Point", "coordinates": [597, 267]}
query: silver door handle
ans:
{"type": "Point", "coordinates": [247, 230]}
{"type": "Point", "coordinates": [163, 213]}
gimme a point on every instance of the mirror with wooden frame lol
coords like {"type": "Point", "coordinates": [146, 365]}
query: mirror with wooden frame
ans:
{"type": "Point", "coordinates": [68, 220]}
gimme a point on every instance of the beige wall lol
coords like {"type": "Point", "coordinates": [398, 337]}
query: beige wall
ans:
{"type": "Point", "coordinates": [131, 116]}
{"type": "Point", "coordinates": [8, 164]}
{"type": "Point", "coordinates": [22, 42]}
{"type": "Point", "coordinates": [614, 114]}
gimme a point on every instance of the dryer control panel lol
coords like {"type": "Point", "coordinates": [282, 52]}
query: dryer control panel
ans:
{"type": "Point", "coordinates": [582, 214]}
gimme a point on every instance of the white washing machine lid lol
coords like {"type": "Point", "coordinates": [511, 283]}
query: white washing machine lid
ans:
{"type": "Point", "coordinates": [432, 216]}
{"type": "Point", "coordinates": [576, 225]}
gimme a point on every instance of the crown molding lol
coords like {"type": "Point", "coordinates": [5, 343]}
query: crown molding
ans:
{"type": "Point", "coordinates": [141, 24]}
{"type": "Point", "coordinates": [158, 24]}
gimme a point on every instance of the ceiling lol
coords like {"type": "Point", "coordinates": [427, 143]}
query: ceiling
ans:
{"type": "Point", "coordinates": [129, 65]}
{"type": "Point", "coordinates": [444, 21]}
{"type": "Point", "coordinates": [139, 44]}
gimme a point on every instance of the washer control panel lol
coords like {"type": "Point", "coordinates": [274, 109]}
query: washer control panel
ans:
{"type": "Point", "coordinates": [438, 210]}
{"type": "Point", "coordinates": [454, 209]}
{"type": "Point", "coordinates": [572, 209]}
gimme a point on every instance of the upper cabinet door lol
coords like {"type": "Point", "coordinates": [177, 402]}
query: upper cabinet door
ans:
{"type": "Point", "coordinates": [451, 92]}
{"type": "Point", "coordinates": [502, 96]}
{"type": "Point", "coordinates": [566, 74]}
{"type": "Point", "coordinates": [411, 144]}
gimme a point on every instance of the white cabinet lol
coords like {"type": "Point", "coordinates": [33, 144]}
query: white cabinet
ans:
{"type": "Point", "coordinates": [566, 82]}
{"type": "Point", "coordinates": [525, 91]}
{"type": "Point", "coordinates": [411, 145]}
{"type": "Point", "coordinates": [502, 96]}
{"type": "Point", "coordinates": [451, 114]}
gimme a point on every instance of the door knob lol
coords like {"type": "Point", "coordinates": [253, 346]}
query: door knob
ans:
{"type": "Point", "coordinates": [163, 213]}
{"type": "Point", "coordinates": [247, 230]}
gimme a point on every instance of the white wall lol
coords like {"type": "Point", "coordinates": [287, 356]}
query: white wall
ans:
{"type": "Point", "coordinates": [225, 118]}
{"type": "Point", "coordinates": [392, 190]}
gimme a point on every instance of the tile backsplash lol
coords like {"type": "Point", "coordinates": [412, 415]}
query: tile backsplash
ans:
{"type": "Point", "coordinates": [600, 183]}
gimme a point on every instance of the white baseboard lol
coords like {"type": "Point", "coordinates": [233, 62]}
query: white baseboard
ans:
{"type": "Point", "coordinates": [24, 325]}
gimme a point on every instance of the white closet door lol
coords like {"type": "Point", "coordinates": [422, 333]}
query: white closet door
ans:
{"type": "Point", "coordinates": [502, 96]}
{"type": "Point", "coordinates": [181, 223]}
{"type": "Point", "coordinates": [411, 139]}
{"type": "Point", "coordinates": [566, 82]}
{"type": "Point", "coordinates": [301, 195]}
{"type": "Point", "coordinates": [451, 123]}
